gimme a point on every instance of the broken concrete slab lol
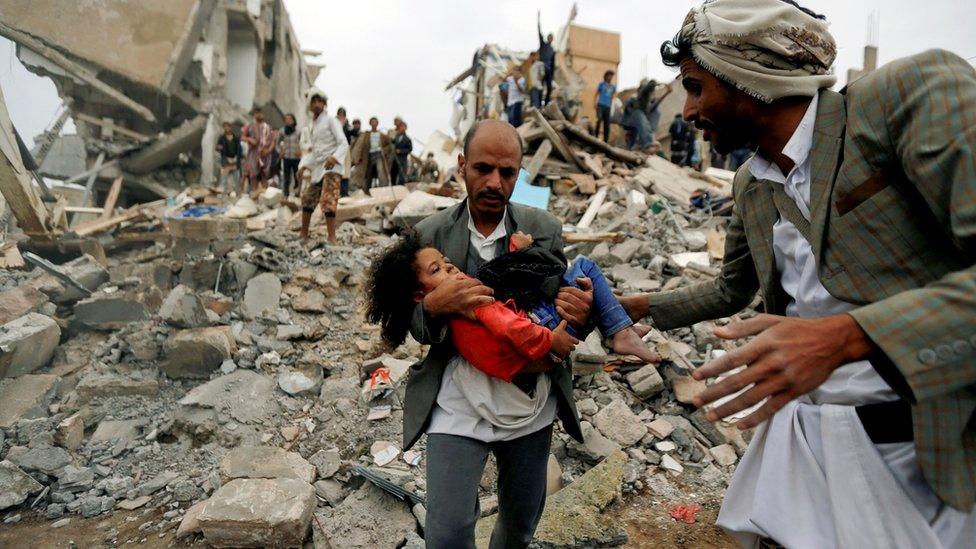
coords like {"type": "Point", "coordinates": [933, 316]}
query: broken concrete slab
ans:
{"type": "Point", "coordinates": [367, 518]}
{"type": "Point", "coordinates": [326, 462]}
{"type": "Point", "coordinates": [125, 430]}
{"type": "Point", "coordinates": [259, 513]}
{"type": "Point", "coordinates": [196, 353]}
{"type": "Point", "coordinates": [244, 395]}
{"type": "Point", "coordinates": [261, 296]}
{"type": "Point", "coordinates": [595, 446]}
{"type": "Point", "coordinates": [112, 311]}
{"type": "Point", "coordinates": [15, 485]}
{"type": "Point", "coordinates": [70, 432]}
{"type": "Point", "coordinates": [76, 479]}
{"type": "Point", "coordinates": [646, 382]}
{"type": "Point", "coordinates": [19, 301]}
{"type": "Point", "coordinates": [619, 424]}
{"type": "Point", "coordinates": [304, 379]}
{"type": "Point", "coordinates": [27, 343]}
{"type": "Point", "coordinates": [574, 517]}
{"type": "Point", "coordinates": [183, 309]}
{"type": "Point", "coordinates": [724, 454]}
{"type": "Point", "coordinates": [622, 253]}
{"type": "Point", "coordinates": [660, 428]}
{"type": "Point", "coordinates": [208, 228]}
{"type": "Point", "coordinates": [27, 397]}
{"type": "Point", "coordinates": [46, 459]}
{"type": "Point", "coordinates": [101, 385]}
{"type": "Point", "coordinates": [686, 388]}
{"type": "Point", "coordinates": [191, 520]}
{"type": "Point", "coordinates": [265, 462]}
{"type": "Point", "coordinates": [86, 271]}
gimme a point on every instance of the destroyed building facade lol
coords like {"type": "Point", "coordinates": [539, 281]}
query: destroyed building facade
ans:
{"type": "Point", "coordinates": [148, 84]}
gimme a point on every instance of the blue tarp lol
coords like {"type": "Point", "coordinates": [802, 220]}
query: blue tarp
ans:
{"type": "Point", "coordinates": [527, 194]}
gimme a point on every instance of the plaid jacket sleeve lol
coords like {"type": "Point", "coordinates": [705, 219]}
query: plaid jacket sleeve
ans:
{"type": "Point", "coordinates": [929, 333]}
{"type": "Point", "coordinates": [725, 295]}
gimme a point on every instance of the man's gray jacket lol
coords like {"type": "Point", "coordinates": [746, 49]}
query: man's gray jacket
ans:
{"type": "Point", "coordinates": [448, 232]}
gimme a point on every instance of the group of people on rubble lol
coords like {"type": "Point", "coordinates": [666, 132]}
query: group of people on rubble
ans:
{"type": "Point", "coordinates": [317, 162]}
{"type": "Point", "coordinates": [855, 223]}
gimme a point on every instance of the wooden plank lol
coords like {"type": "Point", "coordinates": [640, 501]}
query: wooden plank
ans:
{"type": "Point", "coordinates": [591, 164]}
{"type": "Point", "coordinates": [78, 177]}
{"type": "Point", "coordinates": [540, 156]}
{"type": "Point", "coordinates": [579, 134]}
{"type": "Point", "coordinates": [595, 203]}
{"type": "Point", "coordinates": [557, 140]}
{"type": "Point", "coordinates": [15, 184]}
{"type": "Point", "coordinates": [76, 70]}
{"type": "Point", "coordinates": [83, 210]}
{"type": "Point", "coordinates": [10, 257]}
{"type": "Point", "coordinates": [88, 119]}
{"type": "Point", "coordinates": [112, 198]}
{"type": "Point", "coordinates": [584, 182]}
{"type": "Point", "coordinates": [575, 238]}
{"type": "Point", "coordinates": [101, 225]}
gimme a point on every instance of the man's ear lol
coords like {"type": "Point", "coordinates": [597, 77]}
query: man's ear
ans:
{"type": "Point", "coordinates": [460, 168]}
{"type": "Point", "coordinates": [418, 296]}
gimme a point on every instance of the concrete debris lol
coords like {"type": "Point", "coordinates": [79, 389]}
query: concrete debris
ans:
{"type": "Point", "coordinates": [26, 397]}
{"type": "Point", "coordinates": [619, 424]}
{"type": "Point", "coordinates": [45, 459]}
{"type": "Point", "coordinates": [183, 309]}
{"type": "Point", "coordinates": [258, 513]}
{"type": "Point", "coordinates": [306, 379]}
{"type": "Point", "coordinates": [367, 518]}
{"type": "Point", "coordinates": [19, 301]}
{"type": "Point", "coordinates": [261, 296]}
{"type": "Point", "coordinates": [71, 432]}
{"type": "Point", "coordinates": [265, 462]}
{"type": "Point", "coordinates": [15, 485]}
{"type": "Point", "coordinates": [326, 462]}
{"type": "Point", "coordinates": [27, 343]}
{"type": "Point", "coordinates": [197, 353]}
{"type": "Point", "coordinates": [646, 382]}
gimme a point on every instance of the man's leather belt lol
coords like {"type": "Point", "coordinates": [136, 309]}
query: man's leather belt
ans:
{"type": "Point", "coordinates": [887, 422]}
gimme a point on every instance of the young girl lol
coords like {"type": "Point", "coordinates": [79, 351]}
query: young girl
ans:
{"type": "Point", "coordinates": [521, 326]}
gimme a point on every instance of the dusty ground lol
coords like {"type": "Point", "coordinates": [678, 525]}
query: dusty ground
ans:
{"type": "Point", "coordinates": [648, 522]}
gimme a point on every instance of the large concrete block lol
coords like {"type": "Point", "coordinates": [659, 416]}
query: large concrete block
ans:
{"type": "Point", "coordinates": [183, 309]}
{"type": "Point", "coordinates": [19, 301]}
{"type": "Point", "coordinates": [112, 311]}
{"type": "Point", "coordinates": [265, 462]}
{"type": "Point", "coordinates": [207, 229]}
{"type": "Point", "coordinates": [26, 397]}
{"type": "Point", "coordinates": [261, 295]}
{"type": "Point", "coordinates": [259, 513]}
{"type": "Point", "coordinates": [15, 485]}
{"type": "Point", "coordinates": [619, 424]}
{"type": "Point", "coordinates": [195, 353]}
{"type": "Point", "coordinates": [27, 344]}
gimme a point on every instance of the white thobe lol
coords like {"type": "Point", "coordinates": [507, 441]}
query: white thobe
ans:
{"type": "Point", "coordinates": [811, 477]}
{"type": "Point", "coordinates": [320, 140]}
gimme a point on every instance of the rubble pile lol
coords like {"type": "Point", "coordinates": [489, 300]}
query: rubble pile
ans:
{"type": "Point", "coordinates": [220, 371]}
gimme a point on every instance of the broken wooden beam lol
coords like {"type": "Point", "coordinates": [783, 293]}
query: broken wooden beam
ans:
{"type": "Point", "coordinates": [113, 197]}
{"type": "Point", "coordinates": [575, 238]}
{"type": "Point", "coordinates": [540, 156]}
{"type": "Point", "coordinates": [15, 184]}
{"type": "Point", "coordinates": [558, 141]}
{"type": "Point", "coordinates": [78, 71]}
{"type": "Point", "coordinates": [88, 119]}
{"type": "Point", "coordinates": [591, 210]}
{"type": "Point", "coordinates": [579, 134]}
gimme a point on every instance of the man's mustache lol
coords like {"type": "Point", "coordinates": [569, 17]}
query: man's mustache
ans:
{"type": "Point", "coordinates": [492, 195]}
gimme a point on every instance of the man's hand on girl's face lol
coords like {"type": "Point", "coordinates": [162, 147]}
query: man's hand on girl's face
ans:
{"type": "Point", "coordinates": [458, 295]}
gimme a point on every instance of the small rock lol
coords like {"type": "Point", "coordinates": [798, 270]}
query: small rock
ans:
{"type": "Point", "coordinates": [131, 504]}
{"type": "Point", "coordinates": [646, 382]}
{"type": "Point", "coordinates": [306, 379]}
{"type": "Point", "coordinates": [15, 485]}
{"type": "Point", "coordinates": [191, 521]}
{"type": "Point", "coordinates": [724, 454]}
{"type": "Point", "coordinates": [587, 407]}
{"type": "Point", "coordinates": [671, 464]}
{"type": "Point", "coordinates": [686, 388]}
{"type": "Point", "coordinates": [71, 432]}
{"type": "Point", "coordinates": [661, 428]}
{"type": "Point", "coordinates": [326, 462]}
{"type": "Point", "coordinates": [383, 452]}
{"type": "Point", "coordinates": [619, 424]}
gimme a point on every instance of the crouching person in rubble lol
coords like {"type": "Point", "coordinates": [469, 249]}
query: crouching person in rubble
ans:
{"type": "Point", "coordinates": [856, 223]}
{"type": "Point", "coordinates": [324, 150]}
{"type": "Point", "coordinates": [458, 437]}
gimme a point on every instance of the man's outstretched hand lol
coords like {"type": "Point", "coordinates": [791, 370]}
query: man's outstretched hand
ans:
{"type": "Point", "coordinates": [573, 304]}
{"type": "Point", "coordinates": [788, 358]}
{"type": "Point", "coordinates": [460, 295]}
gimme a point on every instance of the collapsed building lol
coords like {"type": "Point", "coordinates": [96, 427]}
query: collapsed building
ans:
{"type": "Point", "coordinates": [148, 85]}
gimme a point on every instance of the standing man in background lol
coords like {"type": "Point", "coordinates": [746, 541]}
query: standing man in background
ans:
{"type": "Point", "coordinates": [369, 158]}
{"type": "Point", "coordinates": [289, 147]}
{"type": "Point", "coordinates": [402, 147]}
{"type": "Point", "coordinates": [604, 100]}
{"type": "Point", "coordinates": [547, 54]}
{"type": "Point", "coordinates": [325, 149]}
{"type": "Point", "coordinates": [516, 89]}
{"type": "Point", "coordinates": [537, 77]}
{"type": "Point", "coordinates": [260, 142]}
{"type": "Point", "coordinates": [229, 146]}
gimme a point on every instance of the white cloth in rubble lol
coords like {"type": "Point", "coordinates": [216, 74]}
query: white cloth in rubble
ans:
{"type": "Point", "coordinates": [811, 477]}
{"type": "Point", "coordinates": [323, 138]}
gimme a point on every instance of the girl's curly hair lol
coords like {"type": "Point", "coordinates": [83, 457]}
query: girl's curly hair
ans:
{"type": "Point", "coordinates": [390, 286]}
